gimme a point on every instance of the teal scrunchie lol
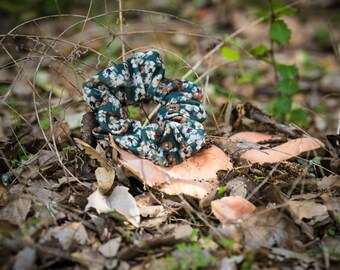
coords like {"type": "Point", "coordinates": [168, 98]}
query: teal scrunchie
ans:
{"type": "Point", "coordinates": [178, 132]}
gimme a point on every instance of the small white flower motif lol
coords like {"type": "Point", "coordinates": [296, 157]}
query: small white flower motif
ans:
{"type": "Point", "coordinates": [139, 58]}
{"type": "Point", "coordinates": [144, 148]}
{"type": "Point", "coordinates": [148, 78]}
{"type": "Point", "coordinates": [108, 72]}
{"type": "Point", "coordinates": [198, 126]}
{"type": "Point", "coordinates": [92, 99]}
{"type": "Point", "coordinates": [150, 66]}
{"type": "Point", "coordinates": [113, 124]}
{"type": "Point", "coordinates": [150, 134]}
{"type": "Point", "coordinates": [125, 72]}
{"type": "Point", "coordinates": [137, 80]}
{"type": "Point", "coordinates": [115, 102]}
{"type": "Point", "coordinates": [129, 141]}
{"type": "Point", "coordinates": [156, 80]}
{"type": "Point", "coordinates": [117, 80]}
{"type": "Point", "coordinates": [139, 93]}
{"type": "Point", "coordinates": [134, 63]}
{"type": "Point", "coordinates": [149, 53]}
{"type": "Point", "coordinates": [101, 116]}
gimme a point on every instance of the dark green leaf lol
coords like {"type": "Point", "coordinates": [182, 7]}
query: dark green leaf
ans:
{"type": "Point", "coordinates": [279, 32]}
{"type": "Point", "coordinates": [230, 54]}
{"type": "Point", "coordinates": [259, 50]}
{"type": "Point", "coordinates": [288, 86]}
{"type": "Point", "coordinates": [281, 107]}
{"type": "Point", "coordinates": [288, 71]}
{"type": "Point", "coordinates": [299, 117]}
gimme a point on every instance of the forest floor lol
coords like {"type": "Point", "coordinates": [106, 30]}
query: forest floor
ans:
{"type": "Point", "coordinates": [70, 202]}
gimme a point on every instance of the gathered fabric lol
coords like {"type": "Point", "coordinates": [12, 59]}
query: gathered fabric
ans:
{"type": "Point", "coordinates": [177, 133]}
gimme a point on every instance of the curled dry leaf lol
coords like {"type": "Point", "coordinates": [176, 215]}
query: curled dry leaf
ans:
{"type": "Point", "coordinates": [231, 208]}
{"type": "Point", "coordinates": [253, 137]}
{"type": "Point", "coordinates": [282, 152]}
{"type": "Point", "coordinates": [110, 248]}
{"type": "Point", "coordinates": [315, 212]}
{"type": "Point", "coordinates": [68, 235]}
{"type": "Point", "coordinates": [195, 177]}
{"type": "Point", "coordinates": [267, 228]}
{"type": "Point", "coordinates": [120, 201]}
{"type": "Point", "coordinates": [89, 150]}
{"type": "Point", "coordinates": [329, 182]}
{"type": "Point", "coordinates": [105, 178]}
{"type": "Point", "coordinates": [16, 210]}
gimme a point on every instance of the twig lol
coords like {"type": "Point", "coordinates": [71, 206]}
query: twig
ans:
{"type": "Point", "coordinates": [121, 29]}
{"type": "Point", "coordinates": [271, 50]}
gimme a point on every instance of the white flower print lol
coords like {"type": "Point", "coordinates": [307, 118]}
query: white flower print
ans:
{"type": "Point", "coordinates": [156, 80]}
{"type": "Point", "coordinates": [101, 116]}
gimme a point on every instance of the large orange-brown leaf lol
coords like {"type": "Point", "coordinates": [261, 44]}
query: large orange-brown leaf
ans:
{"type": "Point", "coordinates": [195, 177]}
{"type": "Point", "coordinates": [229, 209]}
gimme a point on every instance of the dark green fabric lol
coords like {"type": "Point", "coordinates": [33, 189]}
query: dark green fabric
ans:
{"type": "Point", "coordinates": [178, 132]}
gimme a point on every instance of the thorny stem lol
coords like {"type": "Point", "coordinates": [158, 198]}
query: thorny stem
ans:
{"type": "Point", "coordinates": [271, 50]}
{"type": "Point", "coordinates": [121, 29]}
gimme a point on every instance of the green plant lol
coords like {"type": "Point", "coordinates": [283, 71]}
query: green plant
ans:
{"type": "Point", "coordinates": [286, 75]}
{"type": "Point", "coordinates": [189, 256]}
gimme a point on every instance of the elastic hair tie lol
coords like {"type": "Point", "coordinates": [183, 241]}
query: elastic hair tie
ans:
{"type": "Point", "coordinates": [178, 132]}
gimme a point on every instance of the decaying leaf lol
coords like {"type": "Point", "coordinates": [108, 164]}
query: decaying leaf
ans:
{"type": "Point", "coordinates": [16, 211]}
{"type": "Point", "coordinates": [69, 234]}
{"type": "Point", "coordinates": [105, 178]}
{"type": "Point", "coordinates": [329, 182]}
{"type": "Point", "coordinates": [282, 152]}
{"type": "Point", "coordinates": [110, 248]}
{"type": "Point", "coordinates": [89, 150]}
{"type": "Point", "coordinates": [90, 258]}
{"type": "Point", "coordinates": [196, 176]}
{"type": "Point", "coordinates": [120, 201]}
{"type": "Point", "coordinates": [229, 209]}
{"type": "Point", "coordinates": [266, 228]}
{"type": "Point", "coordinates": [315, 212]}
{"type": "Point", "coordinates": [253, 137]}
{"type": "Point", "coordinates": [25, 259]}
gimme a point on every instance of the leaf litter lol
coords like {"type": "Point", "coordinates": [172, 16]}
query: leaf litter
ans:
{"type": "Point", "coordinates": [260, 192]}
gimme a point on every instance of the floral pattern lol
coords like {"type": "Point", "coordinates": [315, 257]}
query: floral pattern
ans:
{"type": "Point", "coordinates": [178, 132]}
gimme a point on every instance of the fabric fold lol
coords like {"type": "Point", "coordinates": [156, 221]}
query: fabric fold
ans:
{"type": "Point", "coordinates": [178, 132]}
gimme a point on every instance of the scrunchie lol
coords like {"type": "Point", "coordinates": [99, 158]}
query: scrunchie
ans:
{"type": "Point", "coordinates": [178, 132]}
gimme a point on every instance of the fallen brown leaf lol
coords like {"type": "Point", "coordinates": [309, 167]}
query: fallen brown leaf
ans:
{"type": "Point", "coordinates": [254, 137]}
{"type": "Point", "coordinates": [120, 201]}
{"type": "Point", "coordinates": [282, 152]}
{"type": "Point", "coordinates": [229, 209]}
{"type": "Point", "coordinates": [329, 182]}
{"type": "Point", "coordinates": [16, 211]}
{"type": "Point", "coordinates": [105, 178]}
{"type": "Point", "coordinates": [315, 212]}
{"type": "Point", "coordinates": [267, 228]}
{"type": "Point", "coordinates": [196, 176]}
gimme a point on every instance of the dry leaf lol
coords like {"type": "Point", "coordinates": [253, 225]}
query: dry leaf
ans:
{"type": "Point", "coordinates": [238, 187]}
{"type": "Point", "coordinates": [110, 248]}
{"type": "Point", "coordinates": [90, 259]}
{"type": "Point", "coordinates": [16, 211]}
{"type": "Point", "coordinates": [253, 137]}
{"type": "Point", "coordinates": [25, 259]}
{"type": "Point", "coordinates": [69, 234]}
{"type": "Point", "coordinates": [105, 178]}
{"type": "Point", "coordinates": [89, 150]}
{"type": "Point", "coordinates": [231, 208]}
{"type": "Point", "coordinates": [329, 182]}
{"type": "Point", "coordinates": [120, 201]}
{"type": "Point", "coordinates": [282, 152]}
{"type": "Point", "coordinates": [267, 228]}
{"type": "Point", "coordinates": [196, 176]}
{"type": "Point", "coordinates": [310, 210]}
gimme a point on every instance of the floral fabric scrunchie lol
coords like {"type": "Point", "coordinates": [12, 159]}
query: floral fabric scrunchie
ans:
{"type": "Point", "coordinates": [178, 132]}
